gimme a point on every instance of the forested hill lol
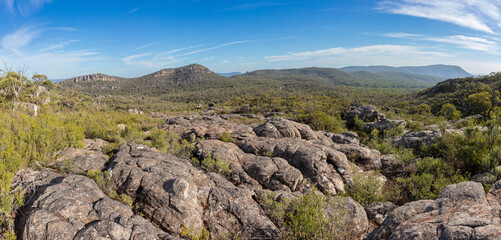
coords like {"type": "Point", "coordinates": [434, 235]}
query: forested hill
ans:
{"type": "Point", "coordinates": [442, 72]}
{"type": "Point", "coordinates": [195, 82]}
{"type": "Point", "coordinates": [471, 95]}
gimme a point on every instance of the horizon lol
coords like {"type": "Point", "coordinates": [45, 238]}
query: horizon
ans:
{"type": "Point", "coordinates": [129, 38]}
{"type": "Point", "coordinates": [239, 72]}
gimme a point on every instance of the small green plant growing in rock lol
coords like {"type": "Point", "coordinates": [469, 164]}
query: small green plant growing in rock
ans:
{"type": "Point", "coordinates": [213, 164]}
{"type": "Point", "coordinates": [366, 189]}
{"type": "Point", "coordinates": [226, 137]}
{"type": "Point", "coordinates": [102, 179]}
{"type": "Point", "coordinates": [192, 234]}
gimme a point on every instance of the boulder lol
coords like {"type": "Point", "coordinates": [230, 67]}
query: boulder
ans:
{"type": "Point", "coordinates": [346, 138]}
{"type": "Point", "coordinates": [81, 160]}
{"type": "Point", "coordinates": [73, 207]}
{"type": "Point", "coordinates": [462, 211]}
{"type": "Point", "coordinates": [383, 124]}
{"type": "Point", "coordinates": [377, 212]}
{"type": "Point", "coordinates": [325, 167]}
{"type": "Point", "coordinates": [416, 140]}
{"type": "Point", "coordinates": [175, 195]}
{"type": "Point", "coordinates": [283, 128]}
{"type": "Point", "coordinates": [365, 113]}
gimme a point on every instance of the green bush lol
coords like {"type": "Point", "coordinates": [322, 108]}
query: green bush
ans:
{"type": "Point", "coordinates": [212, 164]}
{"type": "Point", "coordinates": [474, 151]}
{"type": "Point", "coordinates": [305, 218]}
{"type": "Point", "coordinates": [366, 189]}
{"type": "Point", "coordinates": [431, 177]}
{"type": "Point", "coordinates": [226, 137]}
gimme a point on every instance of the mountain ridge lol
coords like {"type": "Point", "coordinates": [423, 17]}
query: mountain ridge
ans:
{"type": "Point", "coordinates": [438, 70]}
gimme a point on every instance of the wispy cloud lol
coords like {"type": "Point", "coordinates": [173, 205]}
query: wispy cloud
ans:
{"type": "Point", "coordinates": [159, 60]}
{"type": "Point", "coordinates": [20, 38]}
{"type": "Point", "coordinates": [380, 51]}
{"type": "Point", "coordinates": [146, 46]}
{"type": "Point", "coordinates": [13, 50]}
{"type": "Point", "coordinates": [132, 11]}
{"type": "Point", "coordinates": [60, 45]}
{"type": "Point", "coordinates": [25, 7]}
{"type": "Point", "coordinates": [461, 41]}
{"type": "Point", "coordinates": [480, 15]}
{"type": "Point", "coordinates": [402, 35]}
{"type": "Point", "coordinates": [213, 48]}
{"type": "Point", "coordinates": [474, 43]}
{"type": "Point", "coordinates": [249, 6]}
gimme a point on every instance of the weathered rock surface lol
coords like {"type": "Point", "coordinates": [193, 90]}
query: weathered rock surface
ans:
{"type": "Point", "coordinates": [365, 113]}
{"type": "Point", "coordinates": [81, 160]}
{"type": "Point", "coordinates": [174, 195]}
{"type": "Point", "coordinates": [207, 127]}
{"type": "Point", "coordinates": [323, 165]}
{"type": "Point", "coordinates": [257, 171]}
{"type": "Point", "coordinates": [462, 211]}
{"type": "Point", "coordinates": [378, 211]}
{"type": "Point", "coordinates": [283, 128]}
{"type": "Point", "coordinates": [73, 207]}
{"type": "Point", "coordinates": [416, 140]}
{"type": "Point", "coordinates": [383, 124]}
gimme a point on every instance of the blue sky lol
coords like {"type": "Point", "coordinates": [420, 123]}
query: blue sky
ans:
{"type": "Point", "coordinates": [130, 38]}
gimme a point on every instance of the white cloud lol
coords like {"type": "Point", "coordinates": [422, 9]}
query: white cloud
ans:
{"type": "Point", "coordinates": [60, 45]}
{"type": "Point", "coordinates": [480, 15]}
{"type": "Point", "coordinates": [131, 11]}
{"type": "Point", "coordinates": [13, 51]}
{"type": "Point", "coordinates": [22, 37]}
{"type": "Point", "coordinates": [175, 56]}
{"type": "Point", "coordinates": [401, 35]}
{"type": "Point", "coordinates": [490, 45]}
{"type": "Point", "coordinates": [474, 43]}
{"type": "Point", "coordinates": [213, 48]}
{"type": "Point", "coordinates": [25, 7]}
{"type": "Point", "coordinates": [381, 51]}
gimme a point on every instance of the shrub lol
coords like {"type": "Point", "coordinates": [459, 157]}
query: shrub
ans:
{"type": "Point", "coordinates": [474, 151]}
{"type": "Point", "coordinates": [226, 137]}
{"type": "Point", "coordinates": [431, 177]}
{"type": "Point", "coordinates": [305, 218]}
{"type": "Point", "coordinates": [212, 164]}
{"type": "Point", "coordinates": [366, 189]}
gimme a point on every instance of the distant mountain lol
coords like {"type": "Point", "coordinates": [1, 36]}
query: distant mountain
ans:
{"type": "Point", "coordinates": [440, 71]}
{"type": "Point", "coordinates": [335, 77]}
{"type": "Point", "coordinates": [231, 74]}
{"type": "Point", "coordinates": [197, 83]}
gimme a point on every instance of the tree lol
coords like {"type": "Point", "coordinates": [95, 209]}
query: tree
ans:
{"type": "Point", "coordinates": [483, 103]}
{"type": "Point", "coordinates": [449, 111]}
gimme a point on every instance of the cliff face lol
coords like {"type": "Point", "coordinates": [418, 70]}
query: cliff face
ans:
{"type": "Point", "coordinates": [94, 77]}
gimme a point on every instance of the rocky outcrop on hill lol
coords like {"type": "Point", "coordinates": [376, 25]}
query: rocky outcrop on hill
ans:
{"type": "Point", "coordinates": [73, 207]}
{"type": "Point", "coordinates": [384, 124]}
{"type": "Point", "coordinates": [462, 211]}
{"type": "Point", "coordinates": [365, 113]}
{"type": "Point", "coordinates": [94, 77]}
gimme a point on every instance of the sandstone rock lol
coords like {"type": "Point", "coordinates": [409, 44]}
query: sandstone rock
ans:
{"type": "Point", "coordinates": [256, 171]}
{"type": "Point", "coordinates": [383, 124]}
{"type": "Point", "coordinates": [282, 128]}
{"type": "Point", "coordinates": [73, 207]}
{"type": "Point", "coordinates": [462, 211]}
{"type": "Point", "coordinates": [378, 211]}
{"type": "Point", "coordinates": [81, 160]}
{"type": "Point", "coordinates": [416, 140]}
{"type": "Point", "coordinates": [346, 138]}
{"type": "Point", "coordinates": [324, 166]}
{"type": "Point", "coordinates": [364, 113]}
{"type": "Point", "coordinates": [174, 194]}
